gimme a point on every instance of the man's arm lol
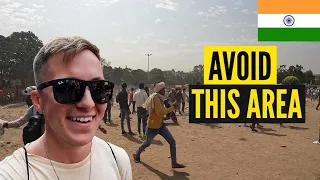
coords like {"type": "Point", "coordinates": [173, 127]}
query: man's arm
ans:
{"type": "Point", "coordinates": [22, 120]}
{"type": "Point", "coordinates": [125, 95]}
{"type": "Point", "coordinates": [160, 109]}
{"type": "Point", "coordinates": [117, 98]}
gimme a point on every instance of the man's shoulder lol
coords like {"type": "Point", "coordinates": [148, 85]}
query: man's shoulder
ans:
{"type": "Point", "coordinates": [121, 157]}
{"type": "Point", "coordinates": [144, 92]}
{"type": "Point", "coordinates": [157, 98]}
{"type": "Point", "coordinates": [140, 92]}
{"type": "Point", "coordinates": [13, 166]}
{"type": "Point", "coordinates": [118, 151]}
{"type": "Point", "coordinates": [122, 92]}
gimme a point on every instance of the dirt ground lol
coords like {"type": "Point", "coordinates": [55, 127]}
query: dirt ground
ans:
{"type": "Point", "coordinates": [217, 151]}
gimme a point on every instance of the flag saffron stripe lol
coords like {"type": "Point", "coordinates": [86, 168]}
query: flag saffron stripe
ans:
{"type": "Point", "coordinates": [289, 34]}
{"type": "Point", "coordinates": [288, 6]}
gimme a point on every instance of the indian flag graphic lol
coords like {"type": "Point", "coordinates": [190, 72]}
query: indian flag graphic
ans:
{"type": "Point", "coordinates": [288, 20]}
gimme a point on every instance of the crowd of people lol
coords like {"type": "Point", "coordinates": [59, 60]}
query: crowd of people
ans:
{"type": "Point", "coordinates": [137, 98]}
{"type": "Point", "coordinates": [313, 94]}
{"type": "Point", "coordinates": [70, 99]}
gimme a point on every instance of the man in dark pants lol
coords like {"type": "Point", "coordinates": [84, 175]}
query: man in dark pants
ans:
{"type": "Point", "coordinates": [139, 98]}
{"type": "Point", "coordinates": [179, 100]}
{"type": "Point", "coordinates": [122, 99]}
{"type": "Point", "coordinates": [317, 108]}
{"type": "Point", "coordinates": [107, 113]}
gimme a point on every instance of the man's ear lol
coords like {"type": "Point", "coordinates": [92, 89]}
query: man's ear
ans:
{"type": "Point", "coordinates": [35, 97]}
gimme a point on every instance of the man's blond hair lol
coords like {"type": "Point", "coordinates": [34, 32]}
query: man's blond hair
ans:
{"type": "Point", "coordinates": [69, 46]}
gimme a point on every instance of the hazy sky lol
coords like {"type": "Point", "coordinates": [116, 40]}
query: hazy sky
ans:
{"type": "Point", "coordinates": [174, 31]}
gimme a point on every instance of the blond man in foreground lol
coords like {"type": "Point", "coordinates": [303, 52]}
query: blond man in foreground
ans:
{"type": "Point", "coordinates": [72, 94]}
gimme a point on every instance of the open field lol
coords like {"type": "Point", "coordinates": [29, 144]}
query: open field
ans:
{"type": "Point", "coordinates": [224, 151]}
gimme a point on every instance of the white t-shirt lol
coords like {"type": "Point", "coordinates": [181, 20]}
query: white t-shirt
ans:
{"type": "Point", "coordinates": [103, 165]}
{"type": "Point", "coordinates": [140, 97]}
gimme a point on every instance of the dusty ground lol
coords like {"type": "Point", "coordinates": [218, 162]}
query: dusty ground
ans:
{"type": "Point", "coordinates": [224, 151]}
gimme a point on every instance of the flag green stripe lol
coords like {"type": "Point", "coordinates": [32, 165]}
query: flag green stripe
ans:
{"type": "Point", "coordinates": [288, 34]}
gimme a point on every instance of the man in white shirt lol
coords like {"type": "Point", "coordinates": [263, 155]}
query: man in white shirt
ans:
{"type": "Point", "coordinates": [72, 94]}
{"type": "Point", "coordinates": [184, 99]}
{"type": "Point", "coordinates": [139, 98]}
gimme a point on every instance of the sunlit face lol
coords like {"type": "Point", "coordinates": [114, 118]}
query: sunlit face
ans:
{"type": "Point", "coordinates": [60, 117]}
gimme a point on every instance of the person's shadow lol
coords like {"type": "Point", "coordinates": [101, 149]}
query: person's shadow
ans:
{"type": "Point", "coordinates": [268, 131]}
{"type": "Point", "coordinates": [111, 124]}
{"type": "Point", "coordinates": [139, 141]}
{"type": "Point", "coordinates": [176, 174]}
{"type": "Point", "coordinates": [172, 124]}
{"type": "Point", "coordinates": [133, 139]}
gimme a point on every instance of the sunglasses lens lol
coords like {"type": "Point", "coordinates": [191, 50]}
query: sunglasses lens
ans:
{"type": "Point", "coordinates": [68, 91]}
{"type": "Point", "coordinates": [101, 91]}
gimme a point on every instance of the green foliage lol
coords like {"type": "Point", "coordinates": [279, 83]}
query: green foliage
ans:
{"type": "Point", "coordinates": [119, 75]}
{"type": "Point", "coordinates": [317, 80]}
{"type": "Point", "coordinates": [290, 80]}
{"type": "Point", "coordinates": [304, 77]}
{"type": "Point", "coordinates": [17, 52]}
{"type": "Point", "coordinates": [309, 77]}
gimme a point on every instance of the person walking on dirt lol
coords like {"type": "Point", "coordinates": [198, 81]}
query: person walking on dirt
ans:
{"type": "Point", "coordinates": [172, 96]}
{"type": "Point", "coordinates": [24, 118]}
{"type": "Point", "coordinates": [184, 99]}
{"type": "Point", "coordinates": [139, 98]}
{"type": "Point", "coordinates": [122, 99]}
{"type": "Point", "coordinates": [155, 125]}
{"type": "Point", "coordinates": [107, 113]}
{"type": "Point", "coordinates": [179, 100]}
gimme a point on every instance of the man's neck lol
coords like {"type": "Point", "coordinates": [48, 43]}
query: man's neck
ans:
{"type": "Point", "coordinates": [59, 150]}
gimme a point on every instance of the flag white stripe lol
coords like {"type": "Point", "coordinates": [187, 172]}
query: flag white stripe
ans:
{"type": "Point", "coordinates": [301, 21]}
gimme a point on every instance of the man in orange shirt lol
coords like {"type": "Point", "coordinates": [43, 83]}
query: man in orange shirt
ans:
{"type": "Point", "coordinates": [155, 125]}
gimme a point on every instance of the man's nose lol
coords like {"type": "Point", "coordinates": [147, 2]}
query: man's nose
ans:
{"type": "Point", "coordinates": [86, 102]}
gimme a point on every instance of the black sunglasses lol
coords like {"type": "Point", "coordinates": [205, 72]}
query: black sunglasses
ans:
{"type": "Point", "coordinates": [71, 90]}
